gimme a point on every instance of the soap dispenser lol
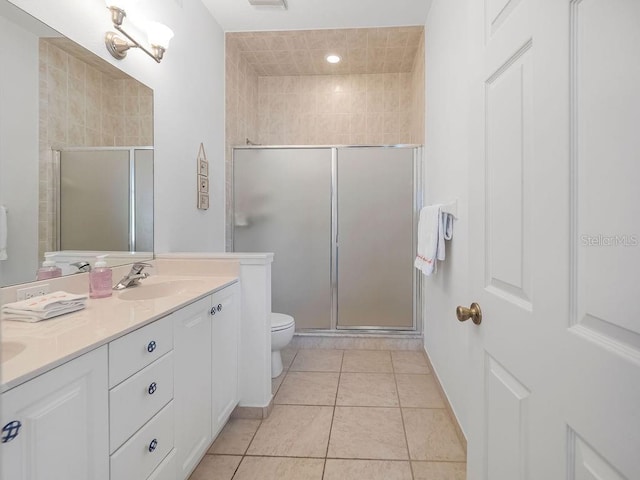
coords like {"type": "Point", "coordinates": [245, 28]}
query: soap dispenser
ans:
{"type": "Point", "coordinates": [100, 279]}
{"type": "Point", "coordinates": [49, 268]}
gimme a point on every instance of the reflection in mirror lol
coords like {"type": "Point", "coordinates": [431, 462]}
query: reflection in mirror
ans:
{"type": "Point", "coordinates": [57, 99]}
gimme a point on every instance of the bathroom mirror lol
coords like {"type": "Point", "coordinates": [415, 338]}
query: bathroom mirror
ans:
{"type": "Point", "coordinates": [76, 154]}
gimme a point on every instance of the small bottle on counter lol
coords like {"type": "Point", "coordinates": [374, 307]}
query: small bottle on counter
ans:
{"type": "Point", "coordinates": [49, 268]}
{"type": "Point", "coordinates": [100, 279]}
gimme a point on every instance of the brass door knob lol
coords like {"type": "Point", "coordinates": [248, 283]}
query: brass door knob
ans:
{"type": "Point", "coordinates": [474, 313]}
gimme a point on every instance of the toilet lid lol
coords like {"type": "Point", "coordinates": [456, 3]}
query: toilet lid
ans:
{"type": "Point", "coordinates": [280, 321]}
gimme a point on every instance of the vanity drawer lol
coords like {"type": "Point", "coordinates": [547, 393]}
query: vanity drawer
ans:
{"type": "Point", "coordinates": [167, 469]}
{"type": "Point", "coordinates": [137, 399]}
{"type": "Point", "coordinates": [139, 348]}
{"type": "Point", "coordinates": [143, 452]}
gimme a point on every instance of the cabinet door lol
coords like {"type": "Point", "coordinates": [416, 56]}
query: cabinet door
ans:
{"type": "Point", "coordinates": [192, 384]}
{"type": "Point", "coordinates": [225, 341]}
{"type": "Point", "coordinates": [63, 423]}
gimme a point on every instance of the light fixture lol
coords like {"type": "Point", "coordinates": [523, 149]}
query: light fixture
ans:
{"type": "Point", "coordinates": [333, 58]}
{"type": "Point", "coordinates": [158, 34]}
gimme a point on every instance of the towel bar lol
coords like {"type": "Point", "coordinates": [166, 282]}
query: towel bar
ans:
{"type": "Point", "coordinates": [451, 208]}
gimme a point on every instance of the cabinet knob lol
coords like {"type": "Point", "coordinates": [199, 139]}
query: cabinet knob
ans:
{"type": "Point", "coordinates": [11, 431]}
{"type": "Point", "coordinates": [213, 310]}
{"type": "Point", "coordinates": [153, 445]}
{"type": "Point", "coordinates": [151, 346]}
{"type": "Point", "coordinates": [152, 388]}
{"type": "Point", "coordinates": [219, 307]}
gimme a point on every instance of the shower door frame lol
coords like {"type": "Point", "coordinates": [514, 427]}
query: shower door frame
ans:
{"type": "Point", "coordinates": [56, 153]}
{"type": "Point", "coordinates": [418, 201]}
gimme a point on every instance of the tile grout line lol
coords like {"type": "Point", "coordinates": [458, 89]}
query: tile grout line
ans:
{"type": "Point", "coordinates": [333, 416]}
{"type": "Point", "coordinates": [404, 428]}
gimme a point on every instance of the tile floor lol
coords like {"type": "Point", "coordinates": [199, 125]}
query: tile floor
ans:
{"type": "Point", "coordinates": [343, 415]}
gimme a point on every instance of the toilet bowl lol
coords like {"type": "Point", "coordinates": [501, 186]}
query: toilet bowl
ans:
{"type": "Point", "coordinates": [282, 328]}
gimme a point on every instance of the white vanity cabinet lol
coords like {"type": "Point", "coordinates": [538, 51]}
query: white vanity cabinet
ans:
{"type": "Point", "coordinates": [192, 384]}
{"type": "Point", "coordinates": [225, 320]}
{"type": "Point", "coordinates": [146, 406]}
{"type": "Point", "coordinates": [60, 421]}
{"type": "Point", "coordinates": [141, 417]}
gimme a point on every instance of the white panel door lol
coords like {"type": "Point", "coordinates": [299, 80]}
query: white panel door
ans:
{"type": "Point", "coordinates": [555, 234]}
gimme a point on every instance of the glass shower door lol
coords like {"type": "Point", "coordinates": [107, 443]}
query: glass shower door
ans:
{"type": "Point", "coordinates": [282, 204]}
{"type": "Point", "coordinates": [376, 205]}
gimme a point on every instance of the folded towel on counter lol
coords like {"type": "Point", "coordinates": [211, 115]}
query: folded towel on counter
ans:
{"type": "Point", "coordinates": [43, 307]}
{"type": "Point", "coordinates": [3, 233]}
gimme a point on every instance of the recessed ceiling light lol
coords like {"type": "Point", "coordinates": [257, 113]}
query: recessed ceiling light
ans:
{"type": "Point", "coordinates": [333, 58]}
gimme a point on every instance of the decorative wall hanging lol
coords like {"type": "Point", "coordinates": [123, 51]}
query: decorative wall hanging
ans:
{"type": "Point", "coordinates": [203, 179]}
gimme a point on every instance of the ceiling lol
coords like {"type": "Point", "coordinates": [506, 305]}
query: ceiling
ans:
{"type": "Point", "coordinates": [239, 15]}
{"type": "Point", "coordinates": [303, 52]}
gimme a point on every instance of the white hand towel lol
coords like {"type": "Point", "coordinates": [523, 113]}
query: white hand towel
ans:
{"type": "Point", "coordinates": [428, 239]}
{"type": "Point", "coordinates": [3, 233]}
{"type": "Point", "coordinates": [43, 307]}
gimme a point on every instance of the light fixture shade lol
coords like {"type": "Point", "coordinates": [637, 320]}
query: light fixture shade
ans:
{"type": "Point", "coordinates": [158, 34]}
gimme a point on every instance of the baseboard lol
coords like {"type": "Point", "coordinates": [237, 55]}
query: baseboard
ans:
{"type": "Point", "coordinates": [252, 413]}
{"type": "Point", "coordinates": [361, 341]}
{"type": "Point", "coordinates": [454, 419]}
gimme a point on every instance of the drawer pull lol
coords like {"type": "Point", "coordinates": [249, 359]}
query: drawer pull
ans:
{"type": "Point", "coordinates": [213, 310]}
{"type": "Point", "coordinates": [151, 346]}
{"type": "Point", "coordinates": [153, 445]}
{"type": "Point", "coordinates": [219, 307]}
{"type": "Point", "coordinates": [10, 431]}
{"type": "Point", "coordinates": [152, 388]}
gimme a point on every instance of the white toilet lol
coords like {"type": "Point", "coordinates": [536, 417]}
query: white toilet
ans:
{"type": "Point", "coordinates": [282, 328]}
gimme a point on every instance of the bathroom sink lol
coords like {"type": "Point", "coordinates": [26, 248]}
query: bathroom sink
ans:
{"type": "Point", "coordinates": [8, 350]}
{"type": "Point", "coordinates": [150, 291]}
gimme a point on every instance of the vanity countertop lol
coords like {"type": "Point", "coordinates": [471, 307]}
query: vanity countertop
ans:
{"type": "Point", "coordinates": [34, 348]}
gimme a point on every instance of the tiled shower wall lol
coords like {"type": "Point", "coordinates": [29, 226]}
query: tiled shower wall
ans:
{"type": "Point", "coordinates": [81, 106]}
{"type": "Point", "coordinates": [335, 109]}
{"type": "Point", "coordinates": [417, 96]}
{"type": "Point", "coordinates": [241, 97]}
{"type": "Point", "coordinates": [374, 109]}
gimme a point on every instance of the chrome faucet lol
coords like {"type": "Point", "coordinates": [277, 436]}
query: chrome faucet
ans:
{"type": "Point", "coordinates": [134, 276]}
{"type": "Point", "coordinates": [82, 266]}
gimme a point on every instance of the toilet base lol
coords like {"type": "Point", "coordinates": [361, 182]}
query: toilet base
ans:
{"type": "Point", "coordinates": [276, 364]}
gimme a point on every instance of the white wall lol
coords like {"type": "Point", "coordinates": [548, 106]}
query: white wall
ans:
{"type": "Point", "coordinates": [446, 151]}
{"type": "Point", "coordinates": [19, 151]}
{"type": "Point", "coordinates": [188, 108]}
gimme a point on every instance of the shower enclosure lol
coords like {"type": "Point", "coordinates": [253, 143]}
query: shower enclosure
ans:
{"type": "Point", "coordinates": [104, 199]}
{"type": "Point", "coordinates": [341, 222]}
